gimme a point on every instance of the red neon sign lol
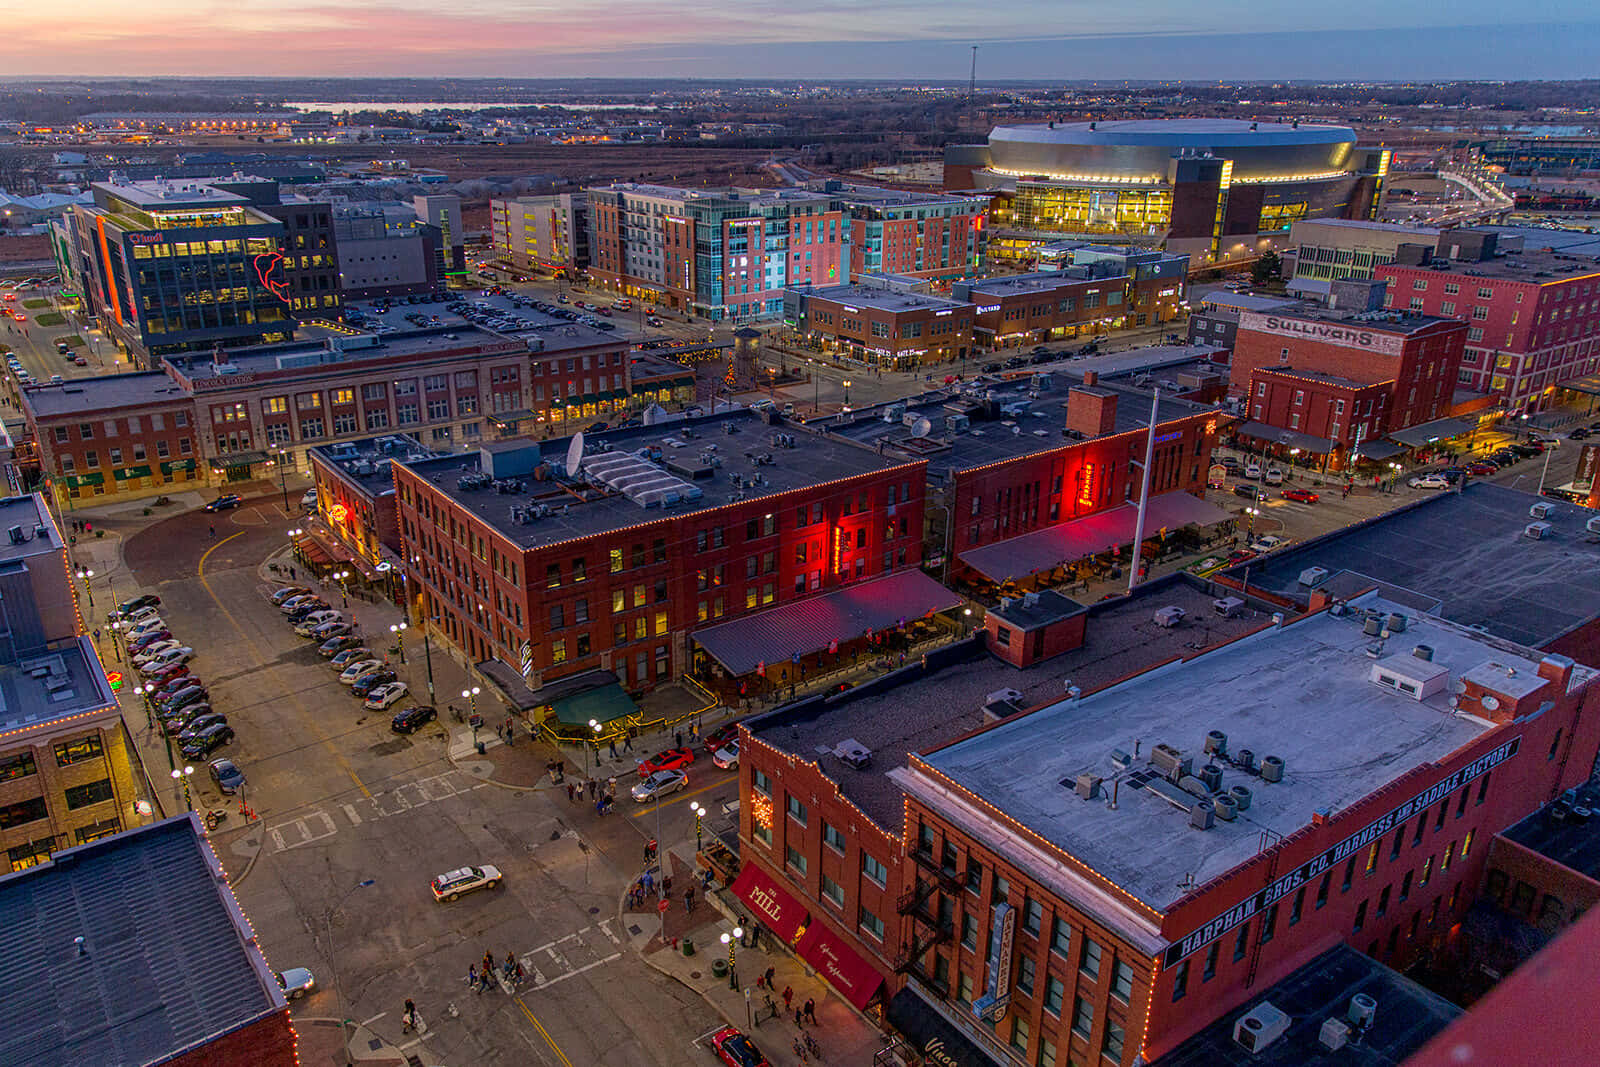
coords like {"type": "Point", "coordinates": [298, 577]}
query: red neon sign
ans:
{"type": "Point", "coordinates": [338, 513]}
{"type": "Point", "coordinates": [269, 268]}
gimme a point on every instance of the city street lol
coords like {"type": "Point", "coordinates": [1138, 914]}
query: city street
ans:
{"type": "Point", "coordinates": [354, 820]}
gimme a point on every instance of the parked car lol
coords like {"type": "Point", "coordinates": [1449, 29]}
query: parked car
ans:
{"type": "Point", "coordinates": [148, 624]}
{"type": "Point", "coordinates": [226, 502]}
{"type": "Point", "coordinates": [341, 660]}
{"type": "Point", "coordinates": [353, 672]}
{"type": "Point", "coordinates": [331, 628]}
{"type": "Point", "coordinates": [128, 607]}
{"type": "Point", "coordinates": [451, 884]}
{"type": "Point", "coordinates": [317, 618]}
{"type": "Point", "coordinates": [384, 695]}
{"type": "Point", "coordinates": [305, 610]}
{"type": "Point", "coordinates": [199, 724]}
{"type": "Point", "coordinates": [178, 721]}
{"type": "Point", "coordinates": [1429, 481]}
{"type": "Point", "coordinates": [168, 672]}
{"type": "Point", "coordinates": [1252, 470]}
{"type": "Point", "coordinates": [1267, 543]}
{"type": "Point", "coordinates": [208, 741]}
{"type": "Point", "coordinates": [181, 654]}
{"type": "Point", "coordinates": [229, 779]}
{"type": "Point", "coordinates": [146, 640]}
{"type": "Point", "coordinates": [334, 645]}
{"type": "Point", "coordinates": [1249, 492]}
{"type": "Point", "coordinates": [364, 686]}
{"type": "Point", "coordinates": [157, 648]}
{"type": "Point", "coordinates": [1273, 476]}
{"type": "Point", "coordinates": [1301, 496]}
{"type": "Point", "coordinates": [296, 982]}
{"type": "Point", "coordinates": [1578, 435]}
{"type": "Point", "coordinates": [727, 757]}
{"type": "Point", "coordinates": [672, 759]}
{"type": "Point", "coordinates": [992, 368]}
{"type": "Point", "coordinates": [178, 684]}
{"type": "Point", "coordinates": [736, 1049]}
{"type": "Point", "coordinates": [289, 592]}
{"type": "Point", "coordinates": [658, 784]}
{"type": "Point", "coordinates": [1481, 468]}
{"type": "Point", "coordinates": [720, 737]}
{"type": "Point", "coordinates": [412, 719]}
{"type": "Point", "coordinates": [191, 694]}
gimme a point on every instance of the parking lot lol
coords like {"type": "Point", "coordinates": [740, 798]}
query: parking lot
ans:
{"type": "Point", "coordinates": [504, 311]}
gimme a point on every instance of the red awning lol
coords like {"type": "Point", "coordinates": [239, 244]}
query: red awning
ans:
{"type": "Point", "coordinates": [844, 968]}
{"type": "Point", "coordinates": [769, 902]}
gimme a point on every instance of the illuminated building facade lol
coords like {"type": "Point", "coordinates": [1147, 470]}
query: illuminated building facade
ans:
{"type": "Point", "coordinates": [884, 328]}
{"type": "Point", "coordinates": [548, 233]}
{"type": "Point", "coordinates": [1215, 189]}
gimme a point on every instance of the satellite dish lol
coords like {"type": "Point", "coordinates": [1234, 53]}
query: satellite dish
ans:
{"type": "Point", "coordinates": [575, 453]}
{"type": "Point", "coordinates": [1458, 687]}
{"type": "Point", "coordinates": [921, 428]}
{"type": "Point", "coordinates": [1490, 703]}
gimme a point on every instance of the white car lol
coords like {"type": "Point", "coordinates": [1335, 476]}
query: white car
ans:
{"type": "Point", "coordinates": [148, 624]}
{"type": "Point", "coordinates": [727, 757]}
{"type": "Point", "coordinates": [1274, 476]}
{"type": "Point", "coordinates": [384, 695]}
{"type": "Point", "coordinates": [1429, 481]}
{"type": "Point", "coordinates": [145, 655]}
{"type": "Point", "coordinates": [658, 784]}
{"type": "Point", "coordinates": [354, 672]}
{"type": "Point", "coordinates": [166, 659]}
{"type": "Point", "coordinates": [309, 500]}
{"type": "Point", "coordinates": [1267, 543]}
{"type": "Point", "coordinates": [316, 619]}
{"type": "Point", "coordinates": [296, 982]}
{"type": "Point", "coordinates": [451, 884]}
{"type": "Point", "coordinates": [1252, 470]}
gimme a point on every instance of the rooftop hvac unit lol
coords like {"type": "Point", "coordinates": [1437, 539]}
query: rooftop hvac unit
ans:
{"type": "Point", "coordinates": [1363, 1009]}
{"type": "Point", "coordinates": [1540, 510]}
{"type": "Point", "coordinates": [1227, 607]}
{"type": "Point", "coordinates": [1201, 815]}
{"type": "Point", "coordinates": [1260, 1028]}
{"type": "Point", "coordinates": [1169, 761]}
{"type": "Point", "coordinates": [1088, 786]}
{"type": "Point", "coordinates": [1216, 741]}
{"type": "Point", "coordinates": [1397, 623]}
{"type": "Point", "coordinates": [1246, 759]}
{"type": "Point", "coordinates": [1272, 769]}
{"type": "Point", "coordinates": [1225, 807]}
{"type": "Point", "coordinates": [1312, 576]}
{"type": "Point", "coordinates": [1241, 796]}
{"type": "Point", "coordinates": [1335, 1034]}
{"type": "Point", "coordinates": [1211, 776]}
{"type": "Point", "coordinates": [16, 535]}
{"type": "Point", "coordinates": [1536, 531]}
{"type": "Point", "coordinates": [1593, 525]}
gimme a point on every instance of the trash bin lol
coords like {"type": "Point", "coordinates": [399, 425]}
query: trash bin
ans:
{"type": "Point", "coordinates": [480, 748]}
{"type": "Point", "coordinates": [688, 947]}
{"type": "Point", "coordinates": [719, 968]}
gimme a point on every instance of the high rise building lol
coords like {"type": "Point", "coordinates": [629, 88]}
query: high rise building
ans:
{"type": "Point", "coordinates": [548, 233]}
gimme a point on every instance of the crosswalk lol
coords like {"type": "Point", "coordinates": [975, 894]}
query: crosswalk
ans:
{"type": "Point", "coordinates": [319, 824]}
{"type": "Point", "coordinates": [572, 955]}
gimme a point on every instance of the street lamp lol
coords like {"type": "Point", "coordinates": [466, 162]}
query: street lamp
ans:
{"type": "Point", "coordinates": [847, 392]}
{"type": "Point", "coordinates": [471, 697]}
{"type": "Point", "coordinates": [344, 590]}
{"type": "Point", "coordinates": [967, 613]}
{"type": "Point", "coordinates": [279, 455]}
{"type": "Point", "coordinates": [732, 941]}
{"type": "Point", "coordinates": [183, 776]}
{"type": "Point", "coordinates": [699, 814]}
{"type": "Point", "coordinates": [399, 631]}
{"type": "Point", "coordinates": [84, 574]}
{"type": "Point", "coordinates": [116, 645]}
{"type": "Point", "coordinates": [594, 724]}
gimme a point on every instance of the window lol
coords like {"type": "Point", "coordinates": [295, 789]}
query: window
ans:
{"type": "Point", "coordinates": [832, 837]}
{"type": "Point", "coordinates": [1020, 1031]}
{"type": "Point", "coordinates": [558, 651]}
{"type": "Point", "coordinates": [1427, 871]}
{"type": "Point", "coordinates": [1060, 937]}
{"type": "Point", "coordinates": [1405, 886]}
{"type": "Point", "coordinates": [871, 924]}
{"type": "Point", "coordinates": [69, 752]}
{"type": "Point", "coordinates": [1299, 906]}
{"type": "Point", "coordinates": [1211, 961]}
{"type": "Point", "coordinates": [1269, 925]}
{"type": "Point", "coordinates": [1372, 856]}
{"type": "Point", "coordinates": [22, 812]}
{"type": "Point", "coordinates": [1466, 843]}
{"type": "Point", "coordinates": [1055, 994]}
{"type": "Point", "coordinates": [1383, 902]}
{"type": "Point", "coordinates": [833, 891]}
{"type": "Point", "coordinates": [1349, 875]}
{"type": "Point", "coordinates": [1483, 790]}
{"type": "Point", "coordinates": [793, 858]}
{"type": "Point", "coordinates": [1241, 943]}
{"type": "Point", "coordinates": [1113, 1043]}
{"type": "Point", "coordinates": [1361, 916]}
{"type": "Point", "coordinates": [1032, 916]}
{"type": "Point", "coordinates": [761, 783]}
{"type": "Point", "coordinates": [81, 796]}
{"type": "Point", "coordinates": [1449, 854]}
{"type": "Point", "coordinates": [1122, 981]}
{"type": "Point", "coordinates": [18, 766]}
{"type": "Point", "coordinates": [874, 870]}
{"type": "Point", "coordinates": [974, 876]}
{"type": "Point", "coordinates": [1082, 1017]}
{"type": "Point", "coordinates": [969, 931]}
{"type": "Point", "coordinates": [1026, 970]}
{"type": "Point", "coordinates": [1091, 958]}
{"type": "Point", "coordinates": [1322, 890]}
{"type": "Point", "coordinates": [797, 810]}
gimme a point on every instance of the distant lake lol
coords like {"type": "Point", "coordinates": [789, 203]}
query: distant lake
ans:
{"type": "Point", "coordinates": [416, 107]}
{"type": "Point", "coordinates": [1526, 131]}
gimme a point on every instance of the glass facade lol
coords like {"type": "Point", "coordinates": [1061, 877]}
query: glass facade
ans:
{"type": "Point", "coordinates": [1143, 210]}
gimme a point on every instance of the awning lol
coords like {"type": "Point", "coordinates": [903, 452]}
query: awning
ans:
{"type": "Point", "coordinates": [844, 968]}
{"type": "Point", "coordinates": [93, 478]}
{"type": "Point", "coordinates": [172, 466]}
{"type": "Point", "coordinates": [602, 705]}
{"type": "Point", "coordinates": [238, 459]}
{"type": "Point", "coordinates": [810, 625]}
{"type": "Point", "coordinates": [774, 905]}
{"type": "Point", "coordinates": [122, 474]}
{"type": "Point", "coordinates": [1069, 542]}
{"type": "Point", "coordinates": [511, 418]}
{"type": "Point", "coordinates": [1427, 433]}
{"type": "Point", "coordinates": [1589, 385]}
{"type": "Point", "coordinates": [1277, 435]}
{"type": "Point", "coordinates": [312, 552]}
{"type": "Point", "coordinates": [932, 1035]}
{"type": "Point", "coordinates": [1377, 448]}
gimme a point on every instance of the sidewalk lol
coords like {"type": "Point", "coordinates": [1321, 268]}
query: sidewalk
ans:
{"type": "Point", "coordinates": [320, 1042]}
{"type": "Point", "coordinates": [844, 1036]}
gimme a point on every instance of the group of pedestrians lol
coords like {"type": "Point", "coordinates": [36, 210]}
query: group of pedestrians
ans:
{"type": "Point", "coordinates": [481, 976]}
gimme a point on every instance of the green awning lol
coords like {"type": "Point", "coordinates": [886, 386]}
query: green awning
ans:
{"type": "Point", "coordinates": [172, 466]}
{"type": "Point", "coordinates": [603, 704]}
{"type": "Point", "coordinates": [77, 480]}
{"type": "Point", "coordinates": [123, 474]}
{"type": "Point", "coordinates": [511, 418]}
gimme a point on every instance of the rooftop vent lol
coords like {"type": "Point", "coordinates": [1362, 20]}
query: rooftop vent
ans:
{"type": "Point", "coordinates": [1088, 786]}
{"type": "Point", "coordinates": [1260, 1028]}
{"type": "Point", "coordinates": [1541, 510]}
{"type": "Point", "coordinates": [1410, 675]}
{"type": "Point", "coordinates": [1537, 531]}
{"type": "Point", "coordinates": [1313, 576]}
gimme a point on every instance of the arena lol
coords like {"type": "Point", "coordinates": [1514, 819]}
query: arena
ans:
{"type": "Point", "coordinates": [1214, 189]}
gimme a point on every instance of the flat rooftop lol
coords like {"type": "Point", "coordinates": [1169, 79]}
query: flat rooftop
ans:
{"type": "Point", "coordinates": [1408, 1016]}
{"type": "Point", "coordinates": [1221, 298]}
{"type": "Point", "coordinates": [1572, 242]}
{"type": "Point", "coordinates": [1426, 235]}
{"type": "Point", "coordinates": [1027, 423]}
{"type": "Point", "coordinates": [1569, 842]}
{"type": "Point", "coordinates": [1536, 267]}
{"type": "Point", "coordinates": [883, 299]}
{"type": "Point", "coordinates": [364, 464]}
{"type": "Point", "coordinates": [150, 903]}
{"type": "Point", "coordinates": [1043, 282]}
{"type": "Point", "coordinates": [932, 711]}
{"type": "Point", "coordinates": [81, 395]}
{"type": "Point", "coordinates": [721, 448]}
{"type": "Point", "coordinates": [64, 680]}
{"type": "Point", "coordinates": [39, 533]}
{"type": "Point", "coordinates": [1385, 321]}
{"type": "Point", "coordinates": [1465, 551]}
{"type": "Point", "coordinates": [171, 195]}
{"type": "Point", "coordinates": [1300, 692]}
{"type": "Point", "coordinates": [1311, 375]}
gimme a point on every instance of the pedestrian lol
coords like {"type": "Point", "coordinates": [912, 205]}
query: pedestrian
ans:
{"type": "Point", "coordinates": [755, 936]}
{"type": "Point", "coordinates": [788, 996]}
{"type": "Point", "coordinates": [570, 791]}
{"type": "Point", "coordinates": [677, 739]}
{"type": "Point", "coordinates": [291, 573]}
{"type": "Point", "coordinates": [591, 788]}
{"type": "Point", "coordinates": [799, 1019]}
{"type": "Point", "coordinates": [408, 1021]}
{"type": "Point", "coordinates": [688, 900]}
{"type": "Point", "coordinates": [650, 850]}
{"type": "Point", "coordinates": [212, 530]}
{"type": "Point", "coordinates": [627, 740]}
{"type": "Point", "coordinates": [694, 731]}
{"type": "Point", "coordinates": [472, 974]}
{"type": "Point", "coordinates": [97, 635]}
{"type": "Point", "coordinates": [768, 976]}
{"type": "Point", "coordinates": [612, 745]}
{"type": "Point", "coordinates": [811, 1010]}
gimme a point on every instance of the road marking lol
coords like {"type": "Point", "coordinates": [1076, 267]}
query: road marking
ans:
{"type": "Point", "coordinates": [306, 833]}
{"type": "Point", "coordinates": [542, 1031]}
{"type": "Point", "coordinates": [350, 813]}
{"type": "Point", "coordinates": [578, 971]}
{"type": "Point", "coordinates": [200, 572]}
{"type": "Point", "coordinates": [647, 807]}
{"type": "Point", "coordinates": [605, 928]}
{"type": "Point", "coordinates": [375, 1018]}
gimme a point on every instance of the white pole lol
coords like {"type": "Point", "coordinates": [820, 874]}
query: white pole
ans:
{"type": "Point", "coordinates": [1144, 492]}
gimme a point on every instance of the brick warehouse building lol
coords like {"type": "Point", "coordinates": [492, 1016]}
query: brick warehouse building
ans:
{"type": "Point", "coordinates": [1532, 317]}
{"type": "Point", "coordinates": [1415, 357]}
{"type": "Point", "coordinates": [882, 327]}
{"type": "Point", "coordinates": [1060, 918]}
{"type": "Point", "coordinates": [662, 531]}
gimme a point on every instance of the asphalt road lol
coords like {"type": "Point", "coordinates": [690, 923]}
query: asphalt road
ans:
{"type": "Point", "coordinates": [343, 801]}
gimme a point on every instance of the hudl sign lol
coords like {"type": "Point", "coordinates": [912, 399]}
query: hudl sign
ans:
{"type": "Point", "coordinates": [1345, 334]}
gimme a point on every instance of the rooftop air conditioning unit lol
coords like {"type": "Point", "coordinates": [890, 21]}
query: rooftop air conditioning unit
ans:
{"type": "Point", "coordinates": [1541, 510]}
{"type": "Point", "coordinates": [1169, 761]}
{"type": "Point", "coordinates": [1593, 525]}
{"type": "Point", "coordinates": [1260, 1028]}
{"type": "Point", "coordinates": [1335, 1034]}
{"type": "Point", "coordinates": [1313, 576]}
{"type": "Point", "coordinates": [1537, 531]}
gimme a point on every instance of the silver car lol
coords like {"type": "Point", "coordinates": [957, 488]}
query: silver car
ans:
{"type": "Point", "coordinates": [658, 784]}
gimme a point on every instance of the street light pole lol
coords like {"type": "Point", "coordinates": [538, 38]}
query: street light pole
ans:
{"type": "Point", "coordinates": [399, 631]}
{"type": "Point", "coordinates": [84, 573]}
{"type": "Point", "coordinates": [183, 776]}
{"type": "Point", "coordinates": [699, 814]}
{"type": "Point", "coordinates": [333, 962]}
{"type": "Point", "coordinates": [732, 941]}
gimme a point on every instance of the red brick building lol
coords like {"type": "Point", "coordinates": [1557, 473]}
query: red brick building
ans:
{"type": "Point", "coordinates": [609, 569]}
{"type": "Point", "coordinates": [1322, 405]}
{"type": "Point", "coordinates": [1532, 317]}
{"type": "Point", "coordinates": [884, 328]}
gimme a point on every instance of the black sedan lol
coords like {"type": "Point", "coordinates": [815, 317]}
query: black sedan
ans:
{"type": "Point", "coordinates": [369, 682]}
{"type": "Point", "coordinates": [128, 607]}
{"type": "Point", "coordinates": [226, 502]}
{"type": "Point", "coordinates": [207, 741]}
{"type": "Point", "coordinates": [413, 719]}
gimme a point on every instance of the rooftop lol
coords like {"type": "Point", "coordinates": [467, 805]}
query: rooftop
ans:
{"type": "Point", "coordinates": [1177, 133]}
{"type": "Point", "coordinates": [1466, 551]}
{"type": "Point", "coordinates": [882, 299]}
{"type": "Point", "coordinates": [1388, 320]}
{"type": "Point", "coordinates": [695, 464]}
{"type": "Point", "coordinates": [83, 395]}
{"type": "Point", "coordinates": [1569, 841]}
{"type": "Point", "coordinates": [1313, 376]}
{"type": "Point", "coordinates": [1300, 692]}
{"type": "Point", "coordinates": [365, 463]}
{"type": "Point", "coordinates": [1573, 242]}
{"type": "Point", "coordinates": [1247, 301]}
{"type": "Point", "coordinates": [1535, 267]}
{"type": "Point", "coordinates": [148, 903]}
{"type": "Point", "coordinates": [39, 533]}
{"type": "Point", "coordinates": [931, 711]}
{"type": "Point", "coordinates": [1425, 234]}
{"type": "Point", "coordinates": [1036, 609]}
{"type": "Point", "coordinates": [63, 681]}
{"type": "Point", "coordinates": [1040, 282]}
{"type": "Point", "coordinates": [1407, 1016]}
{"type": "Point", "coordinates": [168, 195]}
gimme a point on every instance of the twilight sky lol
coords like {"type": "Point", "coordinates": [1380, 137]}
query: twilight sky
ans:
{"type": "Point", "coordinates": [913, 39]}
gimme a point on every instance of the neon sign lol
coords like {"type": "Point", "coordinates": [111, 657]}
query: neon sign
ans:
{"type": "Point", "coordinates": [115, 678]}
{"type": "Point", "coordinates": [338, 513]}
{"type": "Point", "coordinates": [269, 268]}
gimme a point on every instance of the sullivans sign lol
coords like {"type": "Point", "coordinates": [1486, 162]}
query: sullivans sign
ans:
{"type": "Point", "coordinates": [1346, 335]}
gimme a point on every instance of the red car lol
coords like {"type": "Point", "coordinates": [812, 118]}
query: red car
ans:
{"type": "Point", "coordinates": [672, 759]}
{"type": "Point", "coordinates": [162, 675]}
{"type": "Point", "coordinates": [1481, 468]}
{"type": "Point", "coordinates": [1303, 496]}
{"type": "Point", "coordinates": [736, 1050]}
{"type": "Point", "coordinates": [720, 736]}
{"type": "Point", "coordinates": [1240, 555]}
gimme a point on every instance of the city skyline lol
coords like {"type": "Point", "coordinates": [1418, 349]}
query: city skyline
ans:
{"type": "Point", "coordinates": [926, 40]}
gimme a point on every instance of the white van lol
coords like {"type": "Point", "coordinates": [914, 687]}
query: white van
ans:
{"type": "Point", "coordinates": [309, 500]}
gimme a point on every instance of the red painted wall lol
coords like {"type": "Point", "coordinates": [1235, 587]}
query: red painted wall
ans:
{"type": "Point", "coordinates": [269, 1042]}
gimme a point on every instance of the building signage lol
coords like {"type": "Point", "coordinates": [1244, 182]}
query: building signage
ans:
{"type": "Point", "coordinates": [153, 238]}
{"type": "Point", "coordinates": [997, 987]}
{"type": "Point", "coordinates": [1588, 464]}
{"type": "Point", "coordinates": [1164, 438]}
{"type": "Point", "coordinates": [1346, 335]}
{"type": "Point", "coordinates": [984, 309]}
{"type": "Point", "coordinates": [1288, 883]}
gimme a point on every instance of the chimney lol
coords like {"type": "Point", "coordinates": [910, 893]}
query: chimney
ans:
{"type": "Point", "coordinates": [1091, 377]}
{"type": "Point", "coordinates": [1318, 600]}
{"type": "Point", "coordinates": [1091, 410]}
{"type": "Point", "coordinates": [1558, 669]}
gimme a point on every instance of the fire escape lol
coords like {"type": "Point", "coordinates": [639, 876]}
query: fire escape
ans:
{"type": "Point", "coordinates": [922, 904]}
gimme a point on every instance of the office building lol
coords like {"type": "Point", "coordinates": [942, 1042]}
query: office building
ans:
{"type": "Point", "coordinates": [939, 237]}
{"type": "Point", "coordinates": [68, 770]}
{"type": "Point", "coordinates": [1530, 154]}
{"type": "Point", "coordinates": [1212, 189]}
{"type": "Point", "coordinates": [109, 974]}
{"type": "Point", "coordinates": [655, 536]}
{"type": "Point", "coordinates": [882, 327]}
{"type": "Point", "coordinates": [1533, 323]}
{"type": "Point", "coordinates": [131, 434]}
{"type": "Point", "coordinates": [721, 254]}
{"type": "Point", "coordinates": [544, 233]}
{"type": "Point", "coordinates": [443, 211]}
{"type": "Point", "coordinates": [385, 251]}
{"type": "Point", "coordinates": [1328, 250]}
